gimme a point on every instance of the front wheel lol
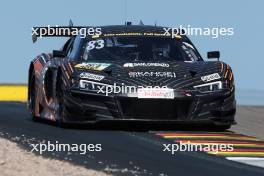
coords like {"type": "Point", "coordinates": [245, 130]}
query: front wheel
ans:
{"type": "Point", "coordinates": [32, 96]}
{"type": "Point", "coordinates": [61, 110]}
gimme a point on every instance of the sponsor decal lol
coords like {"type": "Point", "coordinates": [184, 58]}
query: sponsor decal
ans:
{"type": "Point", "coordinates": [146, 65]}
{"type": "Point", "coordinates": [149, 34]}
{"type": "Point", "coordinates": [152, 74]}
{"type": "Point", "coordinates": [164, 93]}
{"type": "Point", "coordinates": [91, 76]}
{"type": "Point", "coordinates": [92, 66]}
{"type": "Point", "coordinates": [210, 77]}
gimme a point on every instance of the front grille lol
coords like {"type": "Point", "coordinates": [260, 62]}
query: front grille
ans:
{"type": "Point", "coordinates": [156, 109]}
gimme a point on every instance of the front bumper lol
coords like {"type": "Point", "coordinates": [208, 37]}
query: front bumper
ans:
{"type": "Point", "coordinates": [217, 107]}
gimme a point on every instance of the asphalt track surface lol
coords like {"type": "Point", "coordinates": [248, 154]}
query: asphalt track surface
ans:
{"type": "Point", "coordinates": [127, 149]}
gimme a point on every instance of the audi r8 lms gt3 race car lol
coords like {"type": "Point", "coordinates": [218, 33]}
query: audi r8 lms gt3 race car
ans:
{"type": "Point", "coordinates": [131, 73]}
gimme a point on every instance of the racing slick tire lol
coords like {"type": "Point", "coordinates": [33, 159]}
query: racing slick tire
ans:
{"type": "Point", "coordinates": [32, 96]}
{"type": "Point", "coordinates": [61, 110]}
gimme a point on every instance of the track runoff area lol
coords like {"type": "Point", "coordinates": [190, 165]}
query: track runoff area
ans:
{"type": "Point", "coordinates": [245, 149]}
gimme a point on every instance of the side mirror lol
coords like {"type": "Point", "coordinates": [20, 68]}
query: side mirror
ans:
{"type": "Point", "coordinates": [58, 53]}
{"type": "Point", "coordinates": [213, 54]}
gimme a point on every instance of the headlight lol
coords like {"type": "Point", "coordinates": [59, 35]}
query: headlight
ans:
{"type": "Point", "coordinates": [208, 87]}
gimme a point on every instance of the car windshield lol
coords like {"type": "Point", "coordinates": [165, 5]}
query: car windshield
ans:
{"type": "Point", "coordinates": [139, 49]}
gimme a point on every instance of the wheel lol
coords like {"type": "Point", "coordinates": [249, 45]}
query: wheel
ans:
{"type": "Point", "coordinates": [32, 96]}
{"type": "Point", "coordinates": [61, 110]}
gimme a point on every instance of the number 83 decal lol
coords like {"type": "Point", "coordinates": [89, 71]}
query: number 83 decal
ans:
{"type": "Point", "coordinates": [95, 44]}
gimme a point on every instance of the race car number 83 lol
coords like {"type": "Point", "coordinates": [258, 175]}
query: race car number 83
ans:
{"type": "Point", "coordinates": [95, 44]}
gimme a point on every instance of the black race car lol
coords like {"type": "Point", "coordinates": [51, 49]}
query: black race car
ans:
{"type": "Point", "coordinates": [131, 73]}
